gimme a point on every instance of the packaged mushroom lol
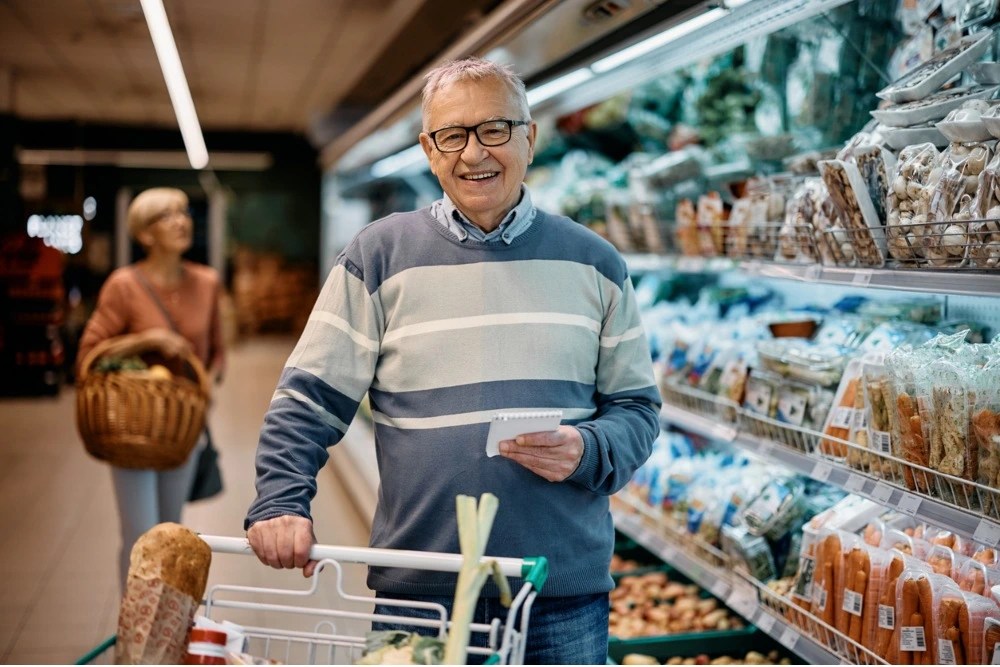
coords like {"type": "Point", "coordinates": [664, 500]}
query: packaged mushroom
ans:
{"type": "Point", "coordinates": [948, 238]}
{"type": "Point", "coordinates": [832, 243]}
{"type": "Point", "coordinates": [984, 232]}
{"type": "Point", "coordinates": [864, 229]}
{"type": "Point", "coordinates": [908, 203]}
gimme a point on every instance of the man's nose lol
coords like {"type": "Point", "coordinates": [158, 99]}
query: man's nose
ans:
{"type": "Point", "coordinates": [474, 151]}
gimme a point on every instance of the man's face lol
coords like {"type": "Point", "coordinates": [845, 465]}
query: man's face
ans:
{"type": "Point", "coordinates": [484, 182]}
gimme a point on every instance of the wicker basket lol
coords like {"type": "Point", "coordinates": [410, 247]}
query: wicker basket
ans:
{"type": "Point", "coordinates": [134, 420]}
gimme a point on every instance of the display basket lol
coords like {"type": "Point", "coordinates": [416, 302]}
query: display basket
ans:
{"type": "Point", "coordinates": [138, 419]}
{"type": "Point", "coordinates": [303, 629]}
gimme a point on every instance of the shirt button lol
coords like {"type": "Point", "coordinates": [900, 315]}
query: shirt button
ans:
{"type": "Point", "coordinates": [506, 237]}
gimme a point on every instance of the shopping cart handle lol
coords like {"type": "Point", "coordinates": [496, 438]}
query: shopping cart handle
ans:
{"type": "Point", "coordinates": [536, 568]}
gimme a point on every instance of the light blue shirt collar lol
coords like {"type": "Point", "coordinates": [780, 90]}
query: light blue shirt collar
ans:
{"type": "Point", "coordinates": [514, 223]}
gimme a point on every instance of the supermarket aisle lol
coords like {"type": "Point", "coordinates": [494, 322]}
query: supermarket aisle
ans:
{"type": "Point", "coordinates": [58, 531]}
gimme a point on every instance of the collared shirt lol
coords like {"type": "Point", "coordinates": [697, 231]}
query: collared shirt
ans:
{"type": "Point", "coordinates": [514, 223]}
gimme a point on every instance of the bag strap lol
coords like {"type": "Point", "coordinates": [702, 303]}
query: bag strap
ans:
{"type": "Point", "coordinates": [152, 295]}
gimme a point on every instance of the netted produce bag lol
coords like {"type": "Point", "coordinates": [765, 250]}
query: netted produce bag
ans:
{"type": "Point", "coordinates": [908, 204]}
{"type": "Point", "coordinates": [984, 233]}
{"type": "Point", "coordinates": [948, 238]}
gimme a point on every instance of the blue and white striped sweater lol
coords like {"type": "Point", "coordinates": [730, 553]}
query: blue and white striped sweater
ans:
{"type": "Point", "coordinates": [442, 334]}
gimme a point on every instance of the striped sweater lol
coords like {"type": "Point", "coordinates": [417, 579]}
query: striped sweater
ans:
{"type": "Point", "coordinates": [442, 334]}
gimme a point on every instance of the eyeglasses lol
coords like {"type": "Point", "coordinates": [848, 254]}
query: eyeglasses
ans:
{"type": "Point", "coordinates": [490, 133]}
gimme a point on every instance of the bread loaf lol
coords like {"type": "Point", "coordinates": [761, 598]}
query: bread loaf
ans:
{"type": "Point", "coordinates": [172, 553]}
{"type": "Point", "coordinates": [168, 571]}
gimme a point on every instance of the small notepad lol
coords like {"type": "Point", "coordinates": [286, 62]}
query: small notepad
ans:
{"type": "Point", "coordinates": [509, 425]}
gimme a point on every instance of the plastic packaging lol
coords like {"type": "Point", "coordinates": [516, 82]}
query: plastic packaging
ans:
{"type": "Point", "coordinates": [931, 108]}
{"type": "Point", "coordinates": [965, 124]}
{"type": "Point", "coordinates": [864, 227]}
{"type": "Point", "coordinates": [908, 205]}
{"type": "Point", "coordinates": [948, 239]}
{"type": "Point", "coordinates": [775, 509]}
{"type": "Point", "coordinates": [899, 138]}
{"type": "Point", "coordinates": [930, 76]}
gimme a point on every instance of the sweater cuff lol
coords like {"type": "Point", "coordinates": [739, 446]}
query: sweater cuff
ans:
{"type": "Point", "coordinates": [587, 468]}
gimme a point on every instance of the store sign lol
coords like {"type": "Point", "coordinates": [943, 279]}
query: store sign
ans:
{"type": "Point", "coordinates": [62, 232]}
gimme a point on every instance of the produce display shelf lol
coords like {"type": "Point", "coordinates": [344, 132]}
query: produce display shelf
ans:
{"type": "Point", "coordinates": [738, 594]}
{"type": "Point", "coordinates": [957, 282]}
{"type": "Point", "coordinates": [918, 505]}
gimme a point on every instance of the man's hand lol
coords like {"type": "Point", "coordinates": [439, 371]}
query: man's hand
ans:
{"type": "Point", "coordinates": [554, 455]}
{"type": "Point", "coordinates": [284, 543]}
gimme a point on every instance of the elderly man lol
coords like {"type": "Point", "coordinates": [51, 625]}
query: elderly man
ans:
{"type": "Point", "coordinates": [444, 316]}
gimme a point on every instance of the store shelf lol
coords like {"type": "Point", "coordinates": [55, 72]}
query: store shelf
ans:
{"type": "Point", "coordinates": [924, 508]}
{"type": "Point", "coordinates": [738, 594]}
{"type": "Point", "coordinates": [967, 283]}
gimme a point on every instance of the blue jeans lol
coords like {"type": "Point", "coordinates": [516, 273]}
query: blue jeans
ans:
{"type": "Point", "coordinates": [561, 630]}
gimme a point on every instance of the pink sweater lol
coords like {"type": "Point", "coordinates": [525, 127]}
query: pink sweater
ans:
{"type": "Point", "coordinates": [125, 307]}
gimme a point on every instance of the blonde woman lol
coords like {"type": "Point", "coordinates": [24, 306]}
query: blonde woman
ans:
{"type": "Point", "coordinates": [186, 318]}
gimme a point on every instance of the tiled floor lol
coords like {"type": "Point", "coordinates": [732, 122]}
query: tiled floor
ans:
{"type": "Point", "coordinates": [58, 525]}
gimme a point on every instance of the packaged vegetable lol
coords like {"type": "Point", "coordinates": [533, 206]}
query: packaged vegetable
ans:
{"type": "Point", "coordinates": [947, 239]}
{"type": "Point", "coordinates": [908, 205]}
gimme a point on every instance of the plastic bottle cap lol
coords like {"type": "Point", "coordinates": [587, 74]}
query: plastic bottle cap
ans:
{"type": "Point", "coordinates": [207, 635]}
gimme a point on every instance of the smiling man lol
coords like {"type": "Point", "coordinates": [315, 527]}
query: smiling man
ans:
{"type": "Point", "coordinates": [478, 304]}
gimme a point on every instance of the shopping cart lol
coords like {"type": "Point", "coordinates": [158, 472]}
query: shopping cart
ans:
{"type": "Point", "coordinates": [323, 643]}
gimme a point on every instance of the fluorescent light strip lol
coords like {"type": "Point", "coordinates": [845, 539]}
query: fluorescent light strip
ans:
{"type": "Point", "coordinates": [173, 74]}
{"type": "Point", "coordinates": [560, 85]}
{"type": "Point", "coordinates": [658, 40]}
{"type": "Point", "coordinates": [408, 157]}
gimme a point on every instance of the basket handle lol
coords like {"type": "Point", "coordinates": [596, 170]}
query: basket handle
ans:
{"type": "Point", "coordinates": [144, 346]}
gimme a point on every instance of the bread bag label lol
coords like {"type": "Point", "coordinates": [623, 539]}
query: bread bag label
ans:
{"type": "Point", "coordinates": [853, 602]}
{"type": "Point", "coordinates": [946, 652]}
{"type": "Point", "coordinates": [911, 638]}
{"type": "Point", "coordinates": [886, 617]}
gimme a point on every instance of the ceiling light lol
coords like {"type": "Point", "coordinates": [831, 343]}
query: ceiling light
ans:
{"type": "Point", "coordinates": [658, 40]}
{"type": "Point", "coordinates": [560, 85]}
{"type": "Point", "coordinates": [173, 74]}
{"type": "Point", "coordinates": [409, 157]}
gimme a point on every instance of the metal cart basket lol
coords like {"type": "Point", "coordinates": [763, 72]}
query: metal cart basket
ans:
{"type": "Point", "coordinates": [323, 642]}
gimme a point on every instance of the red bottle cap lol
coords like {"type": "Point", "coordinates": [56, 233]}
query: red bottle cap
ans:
{"type": "Point", "coordinates": [210, 636]}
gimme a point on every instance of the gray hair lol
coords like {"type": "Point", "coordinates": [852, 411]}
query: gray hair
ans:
{"type": "Point", "coordinates": [473, 69]}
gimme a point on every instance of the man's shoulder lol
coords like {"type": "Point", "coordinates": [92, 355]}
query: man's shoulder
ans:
{"type": "Point", "coordinates": [580, 240]}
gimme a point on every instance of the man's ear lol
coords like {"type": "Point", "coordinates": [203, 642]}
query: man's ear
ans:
{"type": "Point", "coordinates": [427, 144]}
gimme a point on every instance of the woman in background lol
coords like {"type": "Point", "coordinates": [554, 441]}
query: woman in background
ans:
{"type": "Point", "coordinates": [165, 299]}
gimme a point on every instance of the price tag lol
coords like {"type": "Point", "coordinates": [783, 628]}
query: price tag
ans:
{"type": "Point", "coordinates": [996, 655]}
{"type": "Point", "coordinates": [987, 533]}
{"type": "Point", "coordinates": [765, 448]}
{"type": "Point", "coordinates": [743, 600]}
{"type": "Point", "coordinates": [822, 471]}
{"type": "Point", "coordinates": [766, 622]}
{"type": "Point", "coordinates": [720, 589]}
{"type": "Point", "coordinates": [862, 278]}
{"type": "Point", "coordinates": [882, 493]}
{"type": "Point", "coordinates": [668, 553]}
{"type": "Point", "coordinates": [789, 638]}
{"type": "Point", "coordinates": [689, 264]}
{"type": "Point", "coordinates": [853, 602]}
{"type": "Point", "coordinates": [909, 504]}
{"type": "Point", "coordinates": [752, 266]}
{"type": "Point", "coordinates": [855, 483]}
{"type": "Point", "coordinates": [886, 617]}
{"type": "Point", "coordinates": [911, 638]}
{"type": "Point", "coordinates": [812, 272]}
{"type": "Point", "coordinates": [946, 652]}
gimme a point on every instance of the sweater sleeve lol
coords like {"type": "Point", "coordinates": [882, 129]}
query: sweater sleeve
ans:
{"type": "Point", "coordinates": [620, 437]}
{"type": "Point", "coordinates": [317, 395]}
{"type": "Point", "coordinates": [109, 319]}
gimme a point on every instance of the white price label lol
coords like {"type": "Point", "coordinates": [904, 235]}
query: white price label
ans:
{"type": "Point", "coordinates": [987, 533]}
{"type": "Point", "coordinates": [853, 602]}
{"type": "Point", "coordinates": [882, 493]}
{"type": "Point", "coordinates": [996, 655]}
{"type": "Point", "coordinates": [668, 553]}
{"type": "Point", "coordinates": [862, 278]}
{"type": "Point", "coordinates": [813, 272]}
{"type": "Point", "coordinates": [690, 264]}
{"type": "Point", "coordinates": [946, 652]}
{"type": "Point", "coordinates": [881, 442]}
{"type": "Point", "coordinates": [765, 447]}
{"type": "Point", "coordinates": [842, 418]}
{"type": "Point", "coordinates": [766, 623]}
{"type": "Point", "coordinates": [752, 266]}
{"type": "Point", "coordinates": [855, 483]}
{"type": "Point", "coordinates": [720, 589]}
{"type": "Point", "coordinates": [911, 638]}
{"type": "Point", "coordinates": [860, 420]}
{"type": "Point", "coordinates": [909, 504]}
{"type": "Point", "coordinates": [743, 600]}
{"type": "Point", "coordinates": [789, 638]}
{"type": "Point", "coordinates": [822, 471]}
{"type": "Point", "coordinates": [819, 597]}
{"type": "Point", "coordinates": [886, 617]}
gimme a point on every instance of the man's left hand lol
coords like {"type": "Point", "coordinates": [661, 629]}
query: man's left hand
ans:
{"type": "Point", "coordinates": [553, 455]}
